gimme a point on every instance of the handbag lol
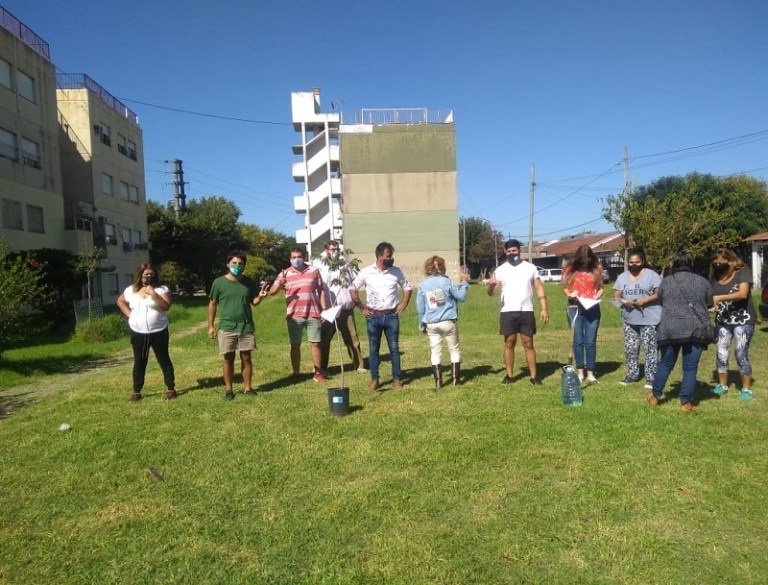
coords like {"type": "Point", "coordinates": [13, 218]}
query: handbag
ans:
{"type": "Point", "coordinates": [711, 329]}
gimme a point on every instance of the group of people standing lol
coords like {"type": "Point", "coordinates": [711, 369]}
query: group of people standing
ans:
{"type": "Point", "coordinates": [664, 317]}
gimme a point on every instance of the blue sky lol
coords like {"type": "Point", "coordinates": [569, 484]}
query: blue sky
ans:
{"type": "Point", "coordinates": [562, 84]}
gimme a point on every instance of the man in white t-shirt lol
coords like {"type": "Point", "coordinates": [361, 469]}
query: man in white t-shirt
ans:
{"type": "Point", "coordinates": [518, 280]}
{"type": "Point", "coordinates": [382, 307]}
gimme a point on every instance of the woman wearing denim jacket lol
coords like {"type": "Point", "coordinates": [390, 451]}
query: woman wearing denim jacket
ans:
{"type": "Point", "coordinates": [437, 303]}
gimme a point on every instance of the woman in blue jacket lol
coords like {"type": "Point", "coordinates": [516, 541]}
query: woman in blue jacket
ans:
{"type": "Point", "coordinates": [437, 303]}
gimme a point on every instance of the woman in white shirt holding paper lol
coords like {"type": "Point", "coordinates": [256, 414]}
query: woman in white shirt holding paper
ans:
{"type": "Point", "coordinates": [583, 285]}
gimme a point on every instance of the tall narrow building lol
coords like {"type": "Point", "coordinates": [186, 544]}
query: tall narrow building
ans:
{"type": "Point", "coordinates": [317, 171]}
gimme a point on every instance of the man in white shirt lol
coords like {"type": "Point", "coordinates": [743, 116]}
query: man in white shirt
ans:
{"type": "Point", "coordinates": [337, 276]}
{"type": "Point", "coordinates": [518, 280]}
{"type": "Point", "coordinates": [382, 308]}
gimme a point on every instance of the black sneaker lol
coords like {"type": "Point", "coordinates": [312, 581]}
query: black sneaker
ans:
{"type": "Point", "coordinates": [627, 381]}
{"type": "Point", "coordinates": [135, 397]}
{"type": "Point", "coordinates": [507, 380]}
{"type": "Point", "coordinates": [229, 395]}
{"type": "Point", "coordinates": [535, 381]}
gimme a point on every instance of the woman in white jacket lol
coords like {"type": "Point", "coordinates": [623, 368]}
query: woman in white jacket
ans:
{"type": "Point", "coordinates": [146, 305]}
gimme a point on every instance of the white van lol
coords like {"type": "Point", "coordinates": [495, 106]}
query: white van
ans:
{"type": "Point", "coordinates": [551, 274]}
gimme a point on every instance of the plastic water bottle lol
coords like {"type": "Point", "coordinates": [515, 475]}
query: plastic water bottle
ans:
{"type": "Point", "coordinates": [570, 388]}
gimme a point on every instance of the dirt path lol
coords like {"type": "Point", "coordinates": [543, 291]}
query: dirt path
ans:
{"type": "Point", "coordinates": [19, 396]}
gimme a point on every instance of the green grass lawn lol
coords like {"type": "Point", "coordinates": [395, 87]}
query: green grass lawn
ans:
{"type": "Point", "coordinates": [480, 483]}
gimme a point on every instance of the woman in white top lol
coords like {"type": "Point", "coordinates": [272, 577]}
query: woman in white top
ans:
{"type": "Point", "coordinates": [146, 305]}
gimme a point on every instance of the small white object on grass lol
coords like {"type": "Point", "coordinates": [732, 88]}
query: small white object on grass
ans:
{"type": "Point", "coordinates": [64, 427]}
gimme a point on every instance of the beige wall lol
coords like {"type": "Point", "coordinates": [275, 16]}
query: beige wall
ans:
{"type": "Point", "coordinates": [87, 159]}
{"type": "Point", "coordinates": [36, 121]}
{"type": "Point", "coordinates": [412, 263]}
{"type": "Point", "coordinates": [366, 193]}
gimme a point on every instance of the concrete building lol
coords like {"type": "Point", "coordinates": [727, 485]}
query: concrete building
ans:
{"type": "Point", "coordinates": [31, 204]}
{"type": "Point", "coordinates": [317, 171]}
{"type": "Point", "coordinates": [388, 175]}
{"type": "Point", "coordinates": [103, 180]}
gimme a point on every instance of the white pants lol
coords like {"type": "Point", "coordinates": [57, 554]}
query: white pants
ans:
{"type": "Point", "coordinates": [447, 330]}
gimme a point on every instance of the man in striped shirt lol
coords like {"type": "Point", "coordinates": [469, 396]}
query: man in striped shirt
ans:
{"type": "Point", "coordinates": [304, 299]}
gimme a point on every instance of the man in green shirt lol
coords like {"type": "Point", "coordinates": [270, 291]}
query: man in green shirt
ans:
{"type": "Point", "coordinates": [232, 296]}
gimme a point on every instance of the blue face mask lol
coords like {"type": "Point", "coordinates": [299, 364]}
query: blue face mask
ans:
{"type": "Point", "coordinates": [236, 269]}
{"type": "Point", "coordinates": [297, 262]}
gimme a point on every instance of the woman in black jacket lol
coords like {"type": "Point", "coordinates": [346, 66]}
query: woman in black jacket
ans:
{"type": "Point", "coordinates": [685, 301]}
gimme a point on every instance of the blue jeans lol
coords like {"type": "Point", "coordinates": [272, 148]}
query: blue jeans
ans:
{"type": "Point", "coordinates": [691, 356]}
{"type": "Point", "coordinates": [584, 335]}
{"type": "Point", "coordinates": [390, 326]}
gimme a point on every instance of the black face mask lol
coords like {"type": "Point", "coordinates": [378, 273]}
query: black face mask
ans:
{"type": "Point", "coordinates": [145, 280]}
{"type": "Point", "coordinates": [388, 263]}
{"type": "Point", "coordinates": [514, 259]}
{"type": "Point", "coordinates": [635, 270]}
{"type": "Point", "coordinates": [720, 270]}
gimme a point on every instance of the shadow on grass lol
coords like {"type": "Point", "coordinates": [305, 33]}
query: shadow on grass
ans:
{"type": "Point", "coordinates": [10, 403]}
{"type": "Point", "coordinates": [218, 382]}
{"type": "Point", "coordinates": [60, 364]}
{"type": "Point", "coordinates": [701, 392]}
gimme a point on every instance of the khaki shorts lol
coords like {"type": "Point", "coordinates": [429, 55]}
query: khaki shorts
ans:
{"type": "Point", "coordinates": [296, 326]}
{"type": "Point", "coordinates": [230, 341]}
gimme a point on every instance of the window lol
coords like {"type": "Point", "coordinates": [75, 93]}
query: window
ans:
{"type": "Point", "coordinates": [134, 194]}
{"type": "Point", "coordinates": [12, 215]}
{"type": "Point", "coordinates": [35, 221]}
{"type": "Point", "coordinates": [5, 74]}
{"type": "Point", "coordinates": [136, 237]}
{"type": "Point", "coordinates": [110, 235]}
{"type": "Point", "coordinates": [121, 145]}
{"type": "Point", "coordinates": [103, 132]}
{"type": "Point", "coordinates": [106, 184]}
{"type": "Point", "coordinates": [112, 285]}
{"type": "Point", "coordinates": [131, 150]}
{"type": "Point", "coordinates": [8, 145]}
{"type": "Point", "coordinates": [124, 191]}
{"type": "Point", "coordinates": [26, 86]}
{"type": "Point", "coordinates": [30, 154]}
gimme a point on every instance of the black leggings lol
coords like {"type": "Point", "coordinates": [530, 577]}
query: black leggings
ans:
{"type": "Point", "coordinates": [141, 343]}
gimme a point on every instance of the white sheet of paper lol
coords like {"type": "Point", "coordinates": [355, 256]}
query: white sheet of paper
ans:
{"type": "Point", "coordinates": [331, 314]}
{"type": "Point", "coordinates": [587, 303]}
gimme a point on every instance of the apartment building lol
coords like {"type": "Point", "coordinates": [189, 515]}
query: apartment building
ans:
{"type": "Point", "coordinates": [378, 175]}
{"type": "Point", "coordinates": [71, 163]}
{"type": "Point", "coordinates": [103, 180]}
{"type": "Point", "coordinates": [31, 197]}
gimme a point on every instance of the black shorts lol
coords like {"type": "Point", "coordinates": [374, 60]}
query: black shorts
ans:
{"type": "Point", "coordinates": [514, 322]}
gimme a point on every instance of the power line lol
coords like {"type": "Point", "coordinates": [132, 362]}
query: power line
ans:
{"type": "Point", "coordinates": [205, 115]}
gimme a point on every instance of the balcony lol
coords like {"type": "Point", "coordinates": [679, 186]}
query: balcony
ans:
{"type": "Point", "coordinates": [25, 34]}
{"type": "Point", "coordinates": [81, 80]}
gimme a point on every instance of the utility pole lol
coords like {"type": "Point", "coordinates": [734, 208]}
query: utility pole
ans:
{"type": "Point", "coordinates": [464, 242]}
{"type": "Point", "coordinates": [179, 197]}
{"type": "Point", "coordinates": [530, 216]}
{"type": "Point", "coordinates": [627, 195]}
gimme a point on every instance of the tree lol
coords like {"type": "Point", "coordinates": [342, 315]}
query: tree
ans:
{"type": "Point", "coordinates": [267, 250]}
{"type": "Point", "coordinates": [482, 246]}
{"type": "Point", "coordinates": [22, 292]}
{"type": "Point", "coordinates": [199, 240]}
{"type": "Point", "coordinates": [697, 213]}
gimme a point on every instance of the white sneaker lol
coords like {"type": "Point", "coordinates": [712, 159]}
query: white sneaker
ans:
{"type": "Point", "coordinates": [591, 379]}
{"type": "Point", "coordinates": [362, 370]}
{"type": "Point", "coordinates": [581, 378]}
{"type": "Point", "coordinates": [648, 386]}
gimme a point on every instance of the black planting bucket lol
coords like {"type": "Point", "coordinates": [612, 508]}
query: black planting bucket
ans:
{"type": "Point", "coordinates": [338, 401]}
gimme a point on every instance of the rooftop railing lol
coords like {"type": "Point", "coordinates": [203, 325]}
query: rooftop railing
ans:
{"type": "Point", "coordinates": [21, 31]}
{"type": "Point", "coordinates": [80, 80]}
{"type": "Point", "coordinates": [380, 116]}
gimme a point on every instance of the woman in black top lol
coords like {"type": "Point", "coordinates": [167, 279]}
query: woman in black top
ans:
{"type": "Point", "coordinates": [685, 300]}
{"type": "Point", "coordinates": [735, 318]}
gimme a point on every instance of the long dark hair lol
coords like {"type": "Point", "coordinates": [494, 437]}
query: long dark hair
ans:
{"type": "Point", "coordinates": [681, 262]}
{"type": "Point", "coordinates": [584, 260]}
{"type": "Point", "coordinates": [137, 277]}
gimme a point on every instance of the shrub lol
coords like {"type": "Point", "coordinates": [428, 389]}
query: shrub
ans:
{"type": "Point", "coordinates": [107, 328]}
